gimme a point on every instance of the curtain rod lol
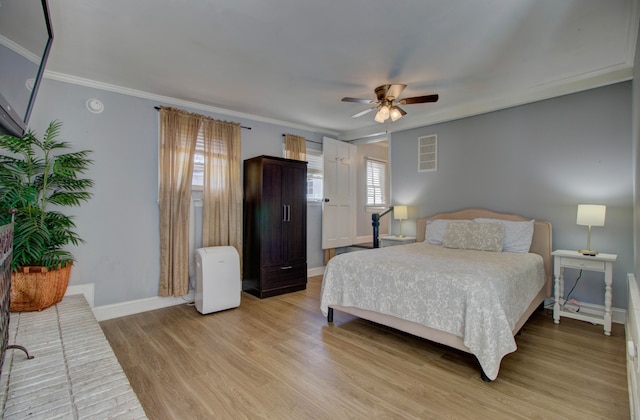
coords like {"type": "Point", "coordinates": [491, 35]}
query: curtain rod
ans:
{"type": "Point", "coordinates": [242, 126]}
{"type": "Point", "coordinates": [306, 139]}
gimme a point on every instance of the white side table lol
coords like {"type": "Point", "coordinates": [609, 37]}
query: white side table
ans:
{"type": "Point", "coordinates": [392, 240]}
{"type": "Point", "coordinates": [573, 259]}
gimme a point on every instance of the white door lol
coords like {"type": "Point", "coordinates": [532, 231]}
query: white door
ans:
{"type": "Point", "coordinates": [339, 190]}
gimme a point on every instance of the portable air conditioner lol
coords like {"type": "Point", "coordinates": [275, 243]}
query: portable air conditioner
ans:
{"type": "Point", "coordinates": [218, 282]}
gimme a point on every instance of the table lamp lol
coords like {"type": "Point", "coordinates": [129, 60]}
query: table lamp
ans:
{"type": "Point", "coordinates": [590, 215]}
{"type": "Point", "coordinates": [400, 213]}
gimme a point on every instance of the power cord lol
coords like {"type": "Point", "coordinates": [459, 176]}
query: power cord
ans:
{"type": "Point", "coordinates": [571, 291]}
{"type": "Point", "coordinates": [191, 287]}
{"type": "Point", "coordinates": [189, 302]}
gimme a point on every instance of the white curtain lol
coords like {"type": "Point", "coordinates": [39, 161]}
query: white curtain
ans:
{"type": "Point", "coordinates": [178, 134]}
{"type": "Point", "coordinates": [222, 191]}
{"type": "Point", "coordinates": [222, 194]}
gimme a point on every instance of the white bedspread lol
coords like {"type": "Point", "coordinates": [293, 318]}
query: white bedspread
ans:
{"type": "Point", "coordinates": [475, 295]}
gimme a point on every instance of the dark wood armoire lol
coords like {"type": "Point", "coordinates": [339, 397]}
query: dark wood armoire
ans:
{"type": "Point", "coordinates": [275, 226]}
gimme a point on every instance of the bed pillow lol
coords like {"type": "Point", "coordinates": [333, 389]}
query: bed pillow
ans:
{"type": "Point", "coordinates": [473, 235]}
{"type": "Point", "coordinates": [517, 235]}
{"type": "Point", "coordinates": [434, 233]}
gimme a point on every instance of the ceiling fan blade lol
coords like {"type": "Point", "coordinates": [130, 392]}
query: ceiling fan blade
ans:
{"type": "Point", "coordinates": [361, 113]}
{"type": "Point", "coordinates": [418, 99]}
{"type": "Point", "coordinates": [358, 100]}
{"type": "Point", "coordinates": [394, 91]}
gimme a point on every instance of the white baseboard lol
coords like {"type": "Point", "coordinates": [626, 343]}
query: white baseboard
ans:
{"type": "Point", "coordinates": [88, 290]}
{"type": "Point", "coordinates": [116, 310]}
{"type": "Point", "coordinates": [315, 271]}
{"type": "Point", "coordinates": [132, 307]}
{"type": "Point", "coordinates": [618, 315]}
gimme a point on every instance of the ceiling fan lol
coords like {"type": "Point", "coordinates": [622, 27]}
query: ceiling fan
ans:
{"type": "Point", "coordinates": [387, 98]}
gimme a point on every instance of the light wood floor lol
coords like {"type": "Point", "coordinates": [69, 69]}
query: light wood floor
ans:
{"type": "Point", "coordinates": [278, 358]}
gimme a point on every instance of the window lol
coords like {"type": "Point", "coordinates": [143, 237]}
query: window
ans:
{"type": "Point", "coordinates": [198, 162]}
{"type": "Point", "coordinates": [197, 181]}
{"type": "Point", "coordinates": [377, 183]}
{"type": "Point", "coordinates": [314, 175]}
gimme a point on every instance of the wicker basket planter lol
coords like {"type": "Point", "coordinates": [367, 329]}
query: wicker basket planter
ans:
{"type": "Point", "coordinates": [37, 288]}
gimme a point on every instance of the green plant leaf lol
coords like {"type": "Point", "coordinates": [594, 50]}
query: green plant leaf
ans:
{"type": "Point", "coordinates": [34, 175]}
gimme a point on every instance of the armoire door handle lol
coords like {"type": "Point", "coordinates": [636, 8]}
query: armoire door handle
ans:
{"type": "Point", "coordinates": [286, 213]}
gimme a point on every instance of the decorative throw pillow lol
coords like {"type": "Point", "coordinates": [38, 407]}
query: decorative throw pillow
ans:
{"type": "Point", "coordinates": [434, 233]}
{"type": "Point", "coordinates": [517, 235]}
{"type": "Point", "coordinates": [472, 235]}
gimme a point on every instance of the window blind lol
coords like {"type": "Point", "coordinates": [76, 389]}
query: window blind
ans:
{"type": "Point", "coordinates": [377, 183]}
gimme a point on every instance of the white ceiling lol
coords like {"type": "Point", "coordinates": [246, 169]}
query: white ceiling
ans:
{"type": "Point", "coordinates": [292, 61]}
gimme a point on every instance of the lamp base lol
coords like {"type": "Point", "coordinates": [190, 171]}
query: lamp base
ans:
{"type": "Point", "coordinates": [589, 252]}
{"type": "Point", "coordinates": [400, 235]}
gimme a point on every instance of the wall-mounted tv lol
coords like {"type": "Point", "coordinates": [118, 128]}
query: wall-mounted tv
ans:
{"type": "Point", "coordinates": [25, 41]}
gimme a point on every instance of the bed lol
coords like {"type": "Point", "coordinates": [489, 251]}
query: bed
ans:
{"type": "Point", "coordinates": [474, 299]}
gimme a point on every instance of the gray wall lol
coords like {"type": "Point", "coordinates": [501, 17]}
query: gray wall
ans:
{"type": "Point", "coordinates": [539, 160]}
{"type": "Point", "coordinates": [120, 223]}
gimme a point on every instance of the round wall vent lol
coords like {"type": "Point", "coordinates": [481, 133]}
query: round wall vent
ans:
{"type": "Point", "coordinates": [94, 105]}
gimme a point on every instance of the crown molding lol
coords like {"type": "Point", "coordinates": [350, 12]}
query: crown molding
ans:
{"type": "Point", "coordinates": [19, 49]}
{"type": "Point", "coordinates": [80, 81]}
{"type": "Point", "coordinates": [604, 77]}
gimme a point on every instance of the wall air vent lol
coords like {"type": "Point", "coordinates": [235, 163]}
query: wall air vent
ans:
{"type": "Point", "coordinates": [428, 153]}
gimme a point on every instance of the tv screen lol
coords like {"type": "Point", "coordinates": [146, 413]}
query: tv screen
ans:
{"type": "Point", "coordinates": [25, 41]}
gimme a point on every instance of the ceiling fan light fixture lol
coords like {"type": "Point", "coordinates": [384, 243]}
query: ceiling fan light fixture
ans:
{"type": "Point", "coordinates": [382, 115]}
{"type": "Point", "coordinates": [385, 111]}
{"type": "Point", "coordinates": [379, 118]}
{"type": "Point", "coordinates": [396, 113]}
{"type": "Point", "coordinates": [387, 96]}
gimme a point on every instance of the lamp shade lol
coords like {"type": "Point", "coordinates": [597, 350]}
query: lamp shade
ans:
{"type": "Point", "coordinates": [400, 212]}
{"type": "Point", "coordinates": [591, 214]}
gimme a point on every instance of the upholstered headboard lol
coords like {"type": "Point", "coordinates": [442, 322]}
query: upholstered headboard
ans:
{"type": "Point", "coordinates": [540, 244]}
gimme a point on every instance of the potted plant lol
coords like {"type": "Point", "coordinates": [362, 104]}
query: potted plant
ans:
{"type": "Point", "coordinates": [38, 178]}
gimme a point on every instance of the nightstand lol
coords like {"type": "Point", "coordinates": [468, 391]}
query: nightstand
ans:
{"type": "Point", "coordinates": [602, 263]}
{"type": "Point", "coordinates": [392, 240]}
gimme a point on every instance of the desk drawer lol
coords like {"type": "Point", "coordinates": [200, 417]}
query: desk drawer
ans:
{"type": "Point", "coordinates": [586, 264]}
